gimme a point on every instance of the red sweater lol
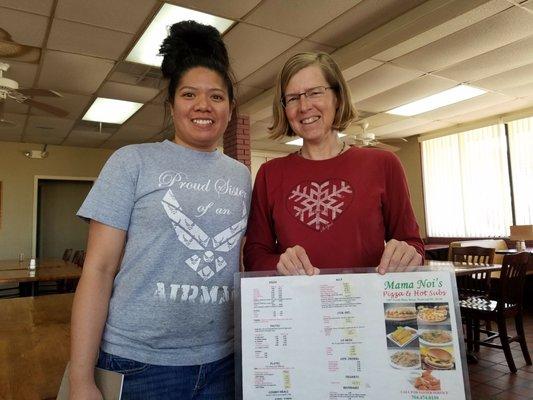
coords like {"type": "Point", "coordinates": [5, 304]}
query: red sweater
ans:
{"type": "Point", "coordinates": [339, 210]}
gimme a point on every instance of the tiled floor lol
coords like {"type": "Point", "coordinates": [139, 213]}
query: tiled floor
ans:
{"type": "Point", "coordinates": [490, 379]}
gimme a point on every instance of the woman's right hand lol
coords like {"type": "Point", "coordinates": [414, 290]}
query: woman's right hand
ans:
{"type": "Point", "coordinates": [294, 261]}
{"type": "Point", "coordinates": [84, 392]}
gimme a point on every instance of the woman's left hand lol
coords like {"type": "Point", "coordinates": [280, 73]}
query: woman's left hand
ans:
{"type": "Point", "coordinates": [398, 257]}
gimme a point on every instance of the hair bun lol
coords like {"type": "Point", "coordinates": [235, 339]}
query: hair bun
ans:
{"type": "Point", "coordinates": [191, 40]}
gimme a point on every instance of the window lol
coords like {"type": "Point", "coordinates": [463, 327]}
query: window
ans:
{"type": "Point", "coordinates": [521, 149]}
{"type": "Point", "coordinates": [467, 181]}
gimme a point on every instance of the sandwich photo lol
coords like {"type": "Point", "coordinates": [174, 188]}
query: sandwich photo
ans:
{"type": "Point", "coordinates": [438, 358]}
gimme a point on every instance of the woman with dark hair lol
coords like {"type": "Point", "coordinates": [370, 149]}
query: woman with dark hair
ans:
{"type": "Point", "coordinates": [155, 298]}
{"type": "Point", "coordinates": [328, 205]}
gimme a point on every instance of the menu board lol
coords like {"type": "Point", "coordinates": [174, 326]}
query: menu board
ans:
{"type": "Point", "coordinates": [351, 336]}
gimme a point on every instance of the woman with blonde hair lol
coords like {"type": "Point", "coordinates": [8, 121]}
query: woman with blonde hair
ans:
{"type": "Point", "coordinates": [328, 205]}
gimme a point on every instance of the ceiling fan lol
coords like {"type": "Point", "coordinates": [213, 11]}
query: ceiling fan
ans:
{"type": "Point", "coordinates": [9, 89]}
{"type": "Point", "coordinates": [367, 139]}
{"type": "Point", "coordinates": [16, 51]}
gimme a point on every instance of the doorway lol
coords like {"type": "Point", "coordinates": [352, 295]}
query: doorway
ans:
{"type": "Point", "coordinates": [58, 227]}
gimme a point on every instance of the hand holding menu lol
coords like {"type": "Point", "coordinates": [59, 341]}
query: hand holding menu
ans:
{"type": "Point", "coordinates": [352, 336]}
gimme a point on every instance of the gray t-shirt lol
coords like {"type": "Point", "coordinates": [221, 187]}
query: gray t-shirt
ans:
{"type": "Point", "coordinates": [185, 212]}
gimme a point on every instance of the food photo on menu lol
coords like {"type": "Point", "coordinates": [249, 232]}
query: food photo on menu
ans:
{"type": "Point", "coordinates": [402, 336]}
{"type": "Point", "coordinates": [419, 338]}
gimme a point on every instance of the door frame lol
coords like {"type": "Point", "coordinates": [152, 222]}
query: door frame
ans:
{"type": "Point", "coordinates": [36, 179]}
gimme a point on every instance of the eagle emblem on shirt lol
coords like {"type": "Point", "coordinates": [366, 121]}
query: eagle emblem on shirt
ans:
{"type": "Point", "coordinates": [210, 251]}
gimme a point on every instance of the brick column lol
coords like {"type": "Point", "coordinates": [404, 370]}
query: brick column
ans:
{"type": "Point", "coordinates": [237, 139]}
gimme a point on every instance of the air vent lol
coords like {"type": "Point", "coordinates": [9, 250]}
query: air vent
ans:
{"type": "Point", "coordinates": [138, 74]}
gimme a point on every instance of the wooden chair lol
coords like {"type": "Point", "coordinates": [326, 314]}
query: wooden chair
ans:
{"type": "Point", "coordinates": [77, 256]}
{"type": "Point", "coordinates": [81, 259]}
{"type": "Point", "coordinates": [476, 284]}
{"type": "Point", "coordinates": [67, 254]}
{"type": "Point", "coordinates": [507, 303]}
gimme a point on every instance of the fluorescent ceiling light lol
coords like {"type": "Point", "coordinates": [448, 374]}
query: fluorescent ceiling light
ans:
{"type": "Point", "coordinates": [300, 141]}
{"type": "Point", "coordinates": [111, 111]}
{"type": "Point", "coordinates": [445, 98]}
{"type": "Point", "coordinates": [147, 47]}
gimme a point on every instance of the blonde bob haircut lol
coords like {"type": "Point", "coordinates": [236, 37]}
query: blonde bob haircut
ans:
{"type": "Point", "coordinates": [345, 113]}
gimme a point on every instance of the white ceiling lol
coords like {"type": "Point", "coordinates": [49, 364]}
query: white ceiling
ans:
{"type": "Point", "coordinates": [391, 52]}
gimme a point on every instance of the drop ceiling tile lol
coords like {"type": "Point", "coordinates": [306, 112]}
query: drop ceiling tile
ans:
{"type": "Point", "coordinates": [116, 144]}
{"type": "Point", "coordinates": [360, 68]}
{"type": "Point", "coordinates": [492, 111]}
{"type": "Point", "coordinates": [420, 129]}
{"type": "Point", "coordinates": [361, 19]}
{"type": "Point", "coordinates": [136, 133]}
{"type": "Point", "coordinates": [121, 15]}
{"type": "Point", "coordinates": [382, 119]}
{"type": "Point", "coordinates": [491, 33]}
{"type": "Point", "coordinates": [299, 17]}
{"type": "Point", "coordinates": [43, 138]}
{"type": "Point", "coordinates": [406, 93]}
{"type": "Point", "coordinates": [515, 77]}
{"type": "Point", "coordinates": [519, 91]}
{"type": "Point", "coordinates": [469, 105]}
{"type": "Point", "coordinates": [73, 73]}
{"type": "Point", "coordinates": [441, 23]}
{"type": "Point", "coordinates": [493, 62]}
{"type": "Point", "coordinates": [74, 104]}
{"type": "Point", "coordinates": [21, 72]}
{"type": "Point", "coordinates": [267, 45]}
{"type": "Point", "coordinates": [227, 9]}
{"type": "Point", "coordinates": [379, 80]}
{"type": "Point", "coordinates": [245, 93]}
{"type": "Point", "coordinates": [42, 7]}
{"type": "Point", "coordinates": [401, 125]}
{"type": "Point", "coordinates": [16, 24]}
{"type": "Point", "coordinates": [13, 133]}
{"type": "Point", "coordinates": [161, 97]}
{"type": "Point", "coordinates": [52, 126]}
{"type": "Point", "coordinates": [122, 91]}
{"type": "Point", "coordinates": [265, 76]}
{"type": "Point", "coordinates": [12, 106]}
{"type": "Point", "coordinates": [152, 115]}
{"type": "Point", "coordinates": [83, 138]}
{"type": "Point", "coordinates": [79, 38]}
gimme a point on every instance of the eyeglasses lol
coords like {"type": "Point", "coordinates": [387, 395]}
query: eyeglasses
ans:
{"type": "Point", "coordinates": [313, 94]}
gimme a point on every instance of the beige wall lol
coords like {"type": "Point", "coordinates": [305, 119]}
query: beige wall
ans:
{"type": "Point", "coordinates": [410, 157]}
{"type": "Point", "coordinates": [17, 174]}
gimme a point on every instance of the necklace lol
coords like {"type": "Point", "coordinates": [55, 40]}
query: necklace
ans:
{"type": "Point", "coordinates": [338, 154]}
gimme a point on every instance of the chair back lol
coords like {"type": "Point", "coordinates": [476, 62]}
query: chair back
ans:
{"type": "Point", "coordinates": [473, 255]}
{"type": "Point", "coordinates": [66, 254]}
{"type": "Point", "coordinates": [512, 279]}
{"type": "Point", "coordinates": [76, 257]}
{"type": "Point", "coordinates": [477, 284]}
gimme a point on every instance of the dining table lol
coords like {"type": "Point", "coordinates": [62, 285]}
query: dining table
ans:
{"type": "Point", "coordinates": [14, 271]}
{"type": "Point", "coordinates": [34, 345]}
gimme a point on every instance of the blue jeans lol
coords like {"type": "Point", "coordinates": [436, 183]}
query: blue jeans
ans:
{"type": "Point", "coordinates": [212, 381]}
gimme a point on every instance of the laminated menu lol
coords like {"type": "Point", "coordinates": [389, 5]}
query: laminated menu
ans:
{"type": "Point", "coordinates": [351, 336]}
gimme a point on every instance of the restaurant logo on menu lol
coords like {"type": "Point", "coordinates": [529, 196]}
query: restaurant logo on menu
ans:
{"type": "Point", "coordinates": [419, 284]}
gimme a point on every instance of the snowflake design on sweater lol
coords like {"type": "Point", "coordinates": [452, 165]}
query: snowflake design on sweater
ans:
{"type": "Point", "coordinates": [318, 204]}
